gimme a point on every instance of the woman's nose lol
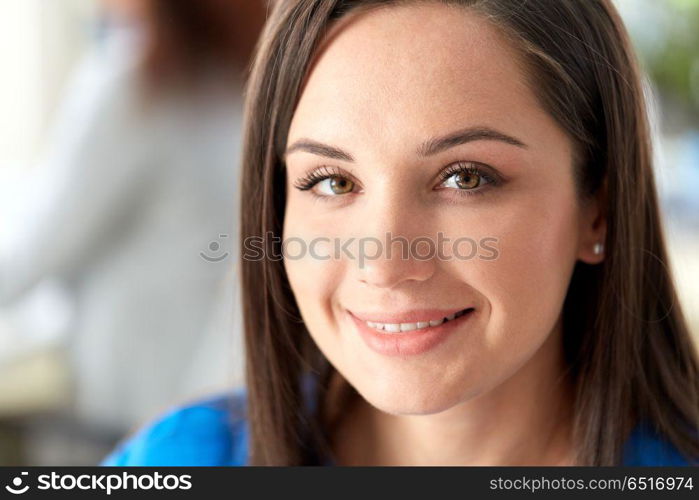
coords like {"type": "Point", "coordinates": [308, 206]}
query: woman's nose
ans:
{"type": "Point", "coordinates": [395, 245]}
{"type": "Point", "coordinates": [384, 272]}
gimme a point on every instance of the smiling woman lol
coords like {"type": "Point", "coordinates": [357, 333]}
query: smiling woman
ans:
{"type": "Point", "coordinates": [438, 131]}
{"type": "Point", "coordinates": [524, 122]}
{"type": "Point", "coordinates": [516, 122]}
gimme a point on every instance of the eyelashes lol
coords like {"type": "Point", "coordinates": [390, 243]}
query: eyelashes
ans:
{"type": "Point", "coordinates": [315, 176]}
{"type": "Point", "coordinates": [485, 176]}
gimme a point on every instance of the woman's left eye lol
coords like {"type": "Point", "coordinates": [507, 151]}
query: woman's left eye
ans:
{"type": "Point", "coordinates": [465, 177]}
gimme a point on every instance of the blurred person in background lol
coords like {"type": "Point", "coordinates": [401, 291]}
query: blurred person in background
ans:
{"type": "Point", "coordinates": [135, 206]}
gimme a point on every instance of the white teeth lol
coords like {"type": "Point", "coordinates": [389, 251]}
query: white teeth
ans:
{"type": "Point", "coordinates": [408, 327]}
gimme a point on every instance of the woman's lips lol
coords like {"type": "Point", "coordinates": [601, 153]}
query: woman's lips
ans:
{"type": "Point", "coordinates": [414, 341]}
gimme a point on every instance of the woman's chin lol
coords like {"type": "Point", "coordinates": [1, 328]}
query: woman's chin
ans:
{"type": "Point", "coordinates": [411, 399]}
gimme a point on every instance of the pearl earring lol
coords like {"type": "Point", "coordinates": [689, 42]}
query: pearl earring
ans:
{"type": "Point", "coordinates": [598, 249]}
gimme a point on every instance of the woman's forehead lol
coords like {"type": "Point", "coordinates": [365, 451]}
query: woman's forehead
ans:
{"type": "Point", "coordinates": [413, 71]}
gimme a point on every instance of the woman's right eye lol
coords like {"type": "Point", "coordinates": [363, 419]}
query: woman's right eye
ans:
{"type": "Point", "coordinates": [335, 185]}
{"type": "Point", "coordinates": [326, 182]}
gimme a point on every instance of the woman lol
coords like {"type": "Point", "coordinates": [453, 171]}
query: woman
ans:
{"type": "Point", "coordinates": [517, 127]}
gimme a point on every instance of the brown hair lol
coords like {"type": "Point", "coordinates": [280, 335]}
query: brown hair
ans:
{"type": "Point", "coordinates": [626, 342]}
{"type": "Point", "coordinates": [184, 37]}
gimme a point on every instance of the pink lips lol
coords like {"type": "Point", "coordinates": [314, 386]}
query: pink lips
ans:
{"type": "Point", "coordinates": [411, 342]}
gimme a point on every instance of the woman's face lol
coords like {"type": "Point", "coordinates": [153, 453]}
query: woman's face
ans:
{"type": "Point", "coordinates": [422, 116]}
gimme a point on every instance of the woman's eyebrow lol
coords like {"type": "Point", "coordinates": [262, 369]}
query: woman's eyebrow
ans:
{"type": "Point", "coordinates": [439, 144]}
{"type": "Point", "coordinates": [427, 148]}
{"type": "Point", "coordinates": [320, 149]}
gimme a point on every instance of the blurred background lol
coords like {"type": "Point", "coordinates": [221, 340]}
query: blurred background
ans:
{"type": "Point", "coordinates": [119, 155]}
{"type": "Point", "coordinates": [119, 148]}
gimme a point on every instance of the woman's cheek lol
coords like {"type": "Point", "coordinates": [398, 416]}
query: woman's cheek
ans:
{"type": "Point", "coordinates": [312, 269]}
{"type": "Point", "coordinates": [527, 282]}
{"type": "Point", "coordinates": [312, 283]}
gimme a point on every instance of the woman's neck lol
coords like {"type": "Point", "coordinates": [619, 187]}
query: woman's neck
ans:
{"type": "Point", "coordinates": [526, 420]}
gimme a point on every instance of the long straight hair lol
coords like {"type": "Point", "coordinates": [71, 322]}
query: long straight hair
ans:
{"type": "Point", "coordinates": [626, 341]}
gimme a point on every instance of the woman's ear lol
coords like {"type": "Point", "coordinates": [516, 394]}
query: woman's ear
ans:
{"type": "Point", "coordinates": [593, 227]}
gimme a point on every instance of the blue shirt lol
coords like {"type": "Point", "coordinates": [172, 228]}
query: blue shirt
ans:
{"type": "Point", "coordinates": [214, 432]}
